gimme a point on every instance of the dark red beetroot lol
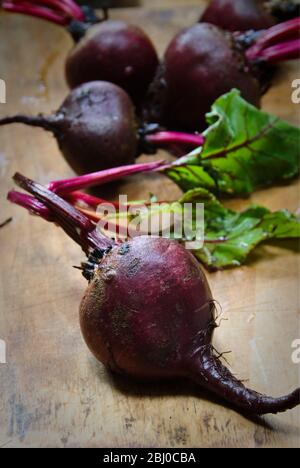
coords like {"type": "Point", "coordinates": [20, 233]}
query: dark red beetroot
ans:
{"type": "Point", "coordinates": [200, 65]}
{"type": "Point", "coordinates": [204, 62]}
{"type": "Point", "coordinates": [117, 52]}
{"type": "Point", "coordinates": [148, 311]}
{"type": "Point", "coordinates": [95, 127]}
{"type": "Point", "coordinates": [243, 15]}
{"type": "Point", "coordinates": [106, 50]}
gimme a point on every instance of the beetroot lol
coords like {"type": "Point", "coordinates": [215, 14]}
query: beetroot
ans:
{"type": "Point", "coordinates": [203, 62]}
{"type": "Point", "coordinates": [148, 312]}
{"type": "Point", "coordinates": [95, 127]}
{"type": "Point", "coordinates": [106, 50]}
{"type": "Point", "coordinates": [243, 15]}
{"type": "Point", "coordinates": [117, 52]}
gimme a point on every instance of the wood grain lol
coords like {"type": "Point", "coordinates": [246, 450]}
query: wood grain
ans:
{"type": "Point", "coordinates": [52, 392]}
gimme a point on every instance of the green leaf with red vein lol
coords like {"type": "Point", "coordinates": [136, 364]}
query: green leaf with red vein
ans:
{"type": "Point", "coordinates": [245, 149]}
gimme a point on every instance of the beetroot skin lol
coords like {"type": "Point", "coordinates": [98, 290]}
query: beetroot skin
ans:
{"type": "Point", "coordinates": [201, 64]}
{"type": "Point", "coordinates": [95, 127]}
{"type": "Point", "coordinates": [148, 312]}
{"type": "Point", "coordinates": [117, 52]}
{"type": "Point", "coordinates": [98, 128]}
{"type": "Point", "coordinates": [148, 297]}
{"type": "Point", "coordinates": [238, 15]}
{"type": "Point", "coordinates": [244, 15]}
{"type": "Point", "coordinates": [204, 62]}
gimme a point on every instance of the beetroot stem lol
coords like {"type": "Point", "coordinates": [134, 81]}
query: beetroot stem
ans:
{"type": "Point", "coordinates": [118, 229]}
{"type": "Point", "coordinates": [88, 199]}
{"type": "Point", "coordinates": [279, 53]}
{"type": "Point", "coordinates": [280, 32]}
{"type": "Point", "coordinates": [208, 371]}
{"type": "Point", "coordinates": [97, 178]}
{"type": "Point", "coordinates": [68, 7]}
{"type": "Point", "coordinates": [47, 9]}
{"type": "Point", "coordinates": [75, 224]}
{"type": "Point", "coordinates": [94, 202]}
{"type": "Point", "coordinates": [94, 216]}
{"type": "Point", "coordinates": [37, 208]}
{"type": "Point", "coordinates": [167, 138]}
{"type": "Point", "coordinates": [277, 36]}
{"type": "Point", "coordinates": [38, 12]}
{"type": "Point", "coordinates": [31, 204]}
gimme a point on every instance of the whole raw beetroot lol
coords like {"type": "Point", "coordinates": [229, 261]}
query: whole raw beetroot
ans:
{"type": "Point", "coordinates": [204, 62]}
{"type": "Point", "coordinates": [98, 127]}
{"type": "Point", "coordinates": [200, 64]}
{"type": "Point", "coordinates": [149, 297]}
{"type": "Point", "coordinates": [117, 52]}
{"type": "Point", "coordinates": [95, 127]}
{"type": "Point", "coordinates": [148, 312]}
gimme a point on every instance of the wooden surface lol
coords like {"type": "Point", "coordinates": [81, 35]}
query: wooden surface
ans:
{"type": "Point", "coordinates": [52, 392]}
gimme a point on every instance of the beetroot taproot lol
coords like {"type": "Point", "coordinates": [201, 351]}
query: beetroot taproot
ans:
{"type": "Point", "coordinates": [148, 312]}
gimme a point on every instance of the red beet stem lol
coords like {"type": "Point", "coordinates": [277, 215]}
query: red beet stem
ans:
{"type": "Point", "coordinates": [60, 12]}
{"type": "Point", "coordinates": [37, 208]}
{"type": "Point", "coordinates": [118, 229]}
{"type": "Point", "coordinates": [208, 371]}
{"type": "Point", "coordinates": [88, 199]}
{"type": "Point", "coordinates": [277, 36]}
{"type": "Point", "coordinates": [170, 138]}
{"type": "Point", "coordinates": [75, 224]}
{"type": "Point", "coordinates": [278, 53]}
{"type": "Point", "coordinates": [31, 204]}
{"type": "Point", "coordinates": [66, 7]}
{"type": "Point", "coordinates": [280, 32]}
{"type": "Point", "coordinates": [94, 202]}
{"type": "Point", "coordinates": [98, 178]}
{"type": "Point", "coordinates": [32, 10]}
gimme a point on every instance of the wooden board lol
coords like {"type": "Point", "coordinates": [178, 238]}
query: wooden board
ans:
{"type": "Point", "coordinates": [52, 392]}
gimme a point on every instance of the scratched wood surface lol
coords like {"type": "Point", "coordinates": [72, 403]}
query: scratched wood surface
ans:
{"type": "Point", "coordinates": [52, 392]}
